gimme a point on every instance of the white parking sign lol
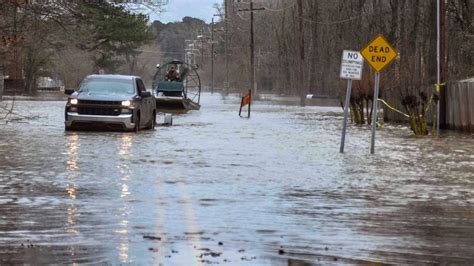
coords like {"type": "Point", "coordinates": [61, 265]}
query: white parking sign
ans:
{"type": "Point", "coordinates": [351, 65]}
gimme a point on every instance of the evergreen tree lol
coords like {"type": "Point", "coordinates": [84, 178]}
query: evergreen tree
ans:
{"type": "Point", "coordinates": [117, 34]}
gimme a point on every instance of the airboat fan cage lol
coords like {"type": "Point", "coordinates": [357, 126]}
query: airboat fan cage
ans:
{"type": "Point", "coordinates": [188, 86]}
{"type": "Point", "coordinates": [177, 91]}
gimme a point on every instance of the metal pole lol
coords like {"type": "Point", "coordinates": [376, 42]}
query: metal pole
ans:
{"type": "Point", "coordinates": [438, 63]}
{"type": "Point", "coordinates": [212, 56]}
{"type": "Point", "coordinates": [346, 112]}
{"type": "Point", "coordinates": [374, 112]}
{"type": "Point", "coordinates": [250, 101]}
{"type": "Point", "coordinates": [241, 102]}
{"type": "Point", "coordinates": [2, 83]}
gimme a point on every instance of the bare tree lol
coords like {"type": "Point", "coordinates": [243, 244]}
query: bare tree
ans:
{"type": "Point", "coordinates": [330, 26]}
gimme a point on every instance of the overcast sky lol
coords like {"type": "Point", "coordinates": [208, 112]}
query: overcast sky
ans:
{"type": "Point", "coordinates": [177, 9]}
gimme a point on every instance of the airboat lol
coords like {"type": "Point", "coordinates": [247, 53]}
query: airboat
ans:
{"type": "Point", "coordinates": [181, 94]}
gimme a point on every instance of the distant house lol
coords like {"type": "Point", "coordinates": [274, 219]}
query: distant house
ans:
{"type": "Point", "coordinates": [49, 84]}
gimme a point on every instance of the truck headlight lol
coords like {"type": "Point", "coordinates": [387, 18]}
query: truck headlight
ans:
{"type": "Point", "coordinates": [127, 103]}
{"type": "Point", "coordinates": [73, 101]}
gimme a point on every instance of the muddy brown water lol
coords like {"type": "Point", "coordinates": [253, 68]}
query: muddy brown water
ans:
{"type": "Point", "coordinates": [218, 189]}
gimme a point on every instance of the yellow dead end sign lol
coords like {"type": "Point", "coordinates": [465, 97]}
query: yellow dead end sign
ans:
{"type": "Point", "coordinates": [379, 53]}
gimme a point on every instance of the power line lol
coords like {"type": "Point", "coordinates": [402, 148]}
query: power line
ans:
{"type": "Point", "coordinates": [364, 13]}
{"type": "Point", "coordinates": [332, 22]}
{"type": "Point", "coordinates": [280, 9]}
{"type": "Point", "coordinates": [242, 18]}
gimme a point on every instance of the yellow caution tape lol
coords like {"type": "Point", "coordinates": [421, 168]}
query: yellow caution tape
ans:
{"type": "Point", "coordinates": [438, 86]}
{"type": "Point", "coordinates": [393, 108]}
{"type": "Point", "coordinates": [429, 103]}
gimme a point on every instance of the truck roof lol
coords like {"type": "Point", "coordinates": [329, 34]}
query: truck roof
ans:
{"type": "Point", "coordinates": [122, 77]}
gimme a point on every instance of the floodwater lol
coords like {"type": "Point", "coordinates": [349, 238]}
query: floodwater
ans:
{"type": "Point", "coordinates": [218, 189]}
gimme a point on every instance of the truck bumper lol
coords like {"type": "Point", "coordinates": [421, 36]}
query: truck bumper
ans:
{"type": "Point", "coordinates": [75, 119]}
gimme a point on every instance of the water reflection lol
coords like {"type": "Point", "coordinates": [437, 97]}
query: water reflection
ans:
{"type": "Point", "coordinates": [71, 191]}
{"type": "Point", "coordinates": [124, 170]}
{"type": "Point", "coordinates": [125, 145]}
{"type": "Point", "coordinates": [73, 170]}
{"type": "Point", "coordinates": [72, 151]}
{"type": "Point", "coordinates": [71, 186]}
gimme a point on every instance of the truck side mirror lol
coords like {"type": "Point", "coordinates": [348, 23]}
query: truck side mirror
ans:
{"type": "Point", "coordinates": [145, 94]}
{"type": "Point", "coordinates": [69, 91]}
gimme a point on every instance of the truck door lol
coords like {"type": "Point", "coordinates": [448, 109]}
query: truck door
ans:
{"type": "Point", "coordinates": [144, 109]}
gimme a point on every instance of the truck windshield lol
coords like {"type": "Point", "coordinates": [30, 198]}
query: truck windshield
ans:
{"type": "Point", "coordinates": [107, 86]}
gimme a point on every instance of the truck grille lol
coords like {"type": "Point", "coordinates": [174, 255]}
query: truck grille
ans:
{"type": "Point", "coordinates": [106, 108]}
{"type": "Point", "coordinates": [99, 111]}
{"type": "Point", "coordinates": [92, 102]}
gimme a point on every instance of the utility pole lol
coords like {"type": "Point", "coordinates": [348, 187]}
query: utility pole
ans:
{"type": "Point", "coordinates": [200, 37]}
{"type": "Point", "coordinates": [190, 51]}
{"type": "Point", "coordinates": [226, 26]}
{"type": "Point", "coordinates": [252, 51]}
{"type": "Point", "coordinates": [302, 54]}
{"type": "Point", "coordinates": [253, 80]}
{"type": "Point", "coordinates": [212, 56]}
{"type": "Point", "coordinates": [301, 35]}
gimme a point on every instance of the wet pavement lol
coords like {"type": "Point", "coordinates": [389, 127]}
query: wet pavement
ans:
{"type": "Point", "coordinates": [218, 189]}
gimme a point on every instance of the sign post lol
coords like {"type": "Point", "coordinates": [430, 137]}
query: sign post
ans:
{"type": "Point", "coordinates": [246, 100]}
{"type": "Point", "coordinates": [378, 53]}
{"type": "Point", "coordinates": [374, 113]}
{"type": "Point", "coordinates": [1, 83]}
{"type": "Point", "coordinates": [351, 69]}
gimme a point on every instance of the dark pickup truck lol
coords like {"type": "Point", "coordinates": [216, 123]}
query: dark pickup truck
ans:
{"type": "Point", "coordinates": [111, 101]}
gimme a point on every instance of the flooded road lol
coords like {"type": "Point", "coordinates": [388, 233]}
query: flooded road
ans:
{"type": "Point", "coordinates": [217, 189]}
